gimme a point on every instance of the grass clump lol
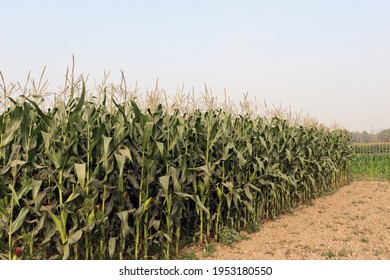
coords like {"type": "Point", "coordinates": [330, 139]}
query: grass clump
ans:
{"type": "Point", "coordinates": [208, 250]}
{"type": "Point", "coordinates": [229, 235]}
{"type": "Point", "coordinates": [364, 239]}
{"type": "Point", "coordinates": [329, 254]}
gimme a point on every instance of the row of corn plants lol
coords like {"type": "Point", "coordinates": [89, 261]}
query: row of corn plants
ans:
{"type": "Point", "coordinates": [86, 181]}
{"type": "Point", "coordinates": [372, 148]}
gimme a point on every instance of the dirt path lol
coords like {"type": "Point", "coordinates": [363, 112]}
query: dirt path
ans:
{"type": "Point", "coordinates": [353, 223]}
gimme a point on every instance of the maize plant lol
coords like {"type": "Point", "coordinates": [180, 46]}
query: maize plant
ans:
{"type": "Point", "coordinates": [116, 180]}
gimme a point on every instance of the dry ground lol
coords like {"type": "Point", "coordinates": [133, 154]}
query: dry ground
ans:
{"type": "Point", "coordinates": [353, 223]}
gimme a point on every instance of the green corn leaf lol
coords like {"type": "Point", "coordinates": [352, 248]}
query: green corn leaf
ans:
{"type": "Point", "coordinates": [254, 187]}
{"type": "Point", "coordinates": [72, 196]}
{"type": "Point", "coordinates": [96, 137]}
{"type": "Point", "coordinates": [26, 187]}
{"type": "Point", "coordinates": [177, 186]}
{"type": "Point", "coordinates": [229, 185]}
{"type": "Point", "coordinates": [248, 193]}
{"type": "Point", "coordinates": [123, 216]}
{"type": "Point", "coordinates": [167, 237]}
{"type": "Point", "coordinates": [81, 173]}
{"type": "Point", "coordinates": [14, 196]}
{"type": "Point", "coordinates": [164, 182]}
{"type": "Point", "coordinates": [41, 224]}
{"type": "Point", "coordinates": [201, 205]}
{"type": "Point", "coordinates": [126, 152]}
{"type": "Point", "coordinates": [66, 252]}
{"type": "Point", "coordinates": [3, 209]}
{"type": "Point", "coordinates": [263, 143]}
{"type": "Point", "coordinates": [89, 227]}
{"type": "Point", "coordinates": [228, 197]}
{"type": "Point", "coordinates": [180, 130]}
{"type": "Point", "coordinates": [36, 185]}
{"type": "Point", "coordinates": [16, 120]}
{"type": "Point", "coordinates": [19, 220]}
{"type": "Point", "coordinates": [80, 103]}
{"type": "Point", "coordinates": [66, 154]}
{"type": "Point", "coordinates": [201, 186]}
{"type": "Point", "coordinates": [219, 193]}
{"type": "Point", "coordinates": [137, 111]}
{"type": "Point", "coordinates": [111, 247]}
{"type": "Point", "coordinates": [120, 159]}
{"type": "Point", "coordinates": [288, 155]}
{"type": "Point", "coordinates": [147, 134]}
{"type": "Point", "coordinates": [203, 168]}
{"type": "Point", "coordinates": [155, 224]}
{"type": "Point", "coordinates": [46, 118]}
{"type": "Point", "coordinates": [91, 217]}
{"type": "Point", "coordinates": [59, 226]}
{"type": "Point", "coordinates": [49, 232]}
{"type": "Point", "coordinates": [160, 147]}
{"type": "Point", "coordinates": [248, 206]}
{"type": "Point", "coordinates": [74, 236]}
{"type": "Point", "coordinates": [241, 159]}
{"type": "Point", "coordinates": [106, 144]}
{"type": "Point", "coordinates": [184, 195]}
{"type": "Point", "coordinates": [144, 206]}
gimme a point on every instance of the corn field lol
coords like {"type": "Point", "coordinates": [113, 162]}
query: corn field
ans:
{"type": "Point", "coordinates": [371, 161]}
{"type": "Point", "coordinates": [115, 180]}
{"type": "Point", "coordinates": [372, 148]}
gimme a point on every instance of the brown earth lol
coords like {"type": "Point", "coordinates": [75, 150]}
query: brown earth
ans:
{"type": "Point", "coordinates": [353, 223]}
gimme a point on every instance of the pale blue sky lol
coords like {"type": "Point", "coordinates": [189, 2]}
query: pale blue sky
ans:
{"type": "Point", "coordinates": [330, 59]}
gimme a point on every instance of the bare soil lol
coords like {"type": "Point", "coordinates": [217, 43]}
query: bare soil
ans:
{"type": "Point", "coordinates": [351, 224]}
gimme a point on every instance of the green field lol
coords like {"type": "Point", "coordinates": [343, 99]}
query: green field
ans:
{"type": "Point", "coordinates": [372, 166]}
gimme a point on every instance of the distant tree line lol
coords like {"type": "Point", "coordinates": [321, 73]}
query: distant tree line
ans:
{"type": "Point", "coordinates": [365, 137]}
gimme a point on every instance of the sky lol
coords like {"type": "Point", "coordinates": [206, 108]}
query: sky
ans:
{"type": "Point", "coordinates": [329, 59]}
